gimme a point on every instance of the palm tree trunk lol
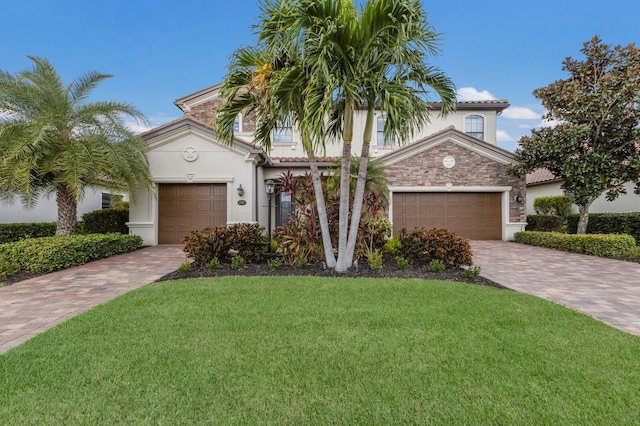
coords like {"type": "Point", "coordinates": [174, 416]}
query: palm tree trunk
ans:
{"type": "Point", "coordinates": [342, 264]}
{"type": "Point", "coordinates": [67, 211]}
{"type": "Point", "coordinates": [361, 181]}
{"type": "Point", "coordinates": [584, 218]}
{"type": "Point", "coordinates": [329, 257]}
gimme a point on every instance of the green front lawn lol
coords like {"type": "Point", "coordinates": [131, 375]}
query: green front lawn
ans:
{"type": "Point", "coordinates": [310, 350]}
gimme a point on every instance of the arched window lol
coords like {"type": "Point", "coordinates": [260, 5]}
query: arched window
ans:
{"type": "Point", "coordinates": [381, 141]}
{"type": "Point", "coordinates": [474, 126]}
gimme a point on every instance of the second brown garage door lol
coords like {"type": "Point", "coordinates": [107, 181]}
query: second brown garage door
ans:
{"type": "Point", "coordinates": [186, 207]}
{"type": "Point", "coordinates": [477, 216]}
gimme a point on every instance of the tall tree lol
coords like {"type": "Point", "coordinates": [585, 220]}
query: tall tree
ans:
{"type": "Point", "coordinates": [595, 148]}
{"type": "Point", "coordinates": [349, 58]}
{"type": "Point", "coordinates": [52, 141]}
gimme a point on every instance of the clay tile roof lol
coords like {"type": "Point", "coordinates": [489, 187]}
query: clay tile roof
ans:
{"type": "Point", "coordinates": [303, 159]}
{"type": "Point", "coordinates": [539, 176]}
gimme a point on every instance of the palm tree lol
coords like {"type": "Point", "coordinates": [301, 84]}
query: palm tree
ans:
{"type": "Point", "coordinates": [270, 84]}
{"type": "Point", "coordinates": [52, 141]}
{"type": "Point", "coordinates": [370, 57]}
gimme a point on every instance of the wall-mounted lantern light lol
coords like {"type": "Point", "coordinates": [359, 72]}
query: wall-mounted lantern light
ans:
{"type": "Point", "coordinates": [519, 197]}
{"type": "Point", "coordinates": [240, 191]}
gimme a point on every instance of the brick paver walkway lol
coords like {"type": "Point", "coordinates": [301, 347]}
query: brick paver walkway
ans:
{"type": "Point", "coordinates": [33, 306]}
{"type": "Point", "coordinates": [606, 289]}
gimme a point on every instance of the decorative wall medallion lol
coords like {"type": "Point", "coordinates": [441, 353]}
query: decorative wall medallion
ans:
{"type": "Point", "coordinates": [190, 154]}
{"type": "Point", "coordinates": [449, 161]}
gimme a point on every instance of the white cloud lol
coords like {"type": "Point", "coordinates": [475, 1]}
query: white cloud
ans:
{"type": "Point", "coordinates": [503, 136]}
{"type": "Point", "coordinates": [525, 126]}
{"type": "Point", "coordinates": [153, 121]}
{"type": "Point", "coordinates": [473, 94]}
{"type": "Point", "coordinates": [520, 113]}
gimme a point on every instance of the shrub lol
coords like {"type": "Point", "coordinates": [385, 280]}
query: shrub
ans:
{"type": "Point", "coordinates": [608, 223]}
{"type": "Point", "coordinates": [238, 262]}
{"type": "Point", "coordinates": [372, 235]}
{"type": "Point", "coordinates": [7, 268]}
{"type": "Point", "coordinates": [557, 205]}
{"type": "Point", "coordinates": [295, 243]}
{"type": "Point", "coordinates": [249, 241]}
{"type": "Point", "coordinates": [436, 265]}
{"type": "Point", "coordinates": [374, 259]}
{"type": "Point", "coordinates": [242, 239]}
{"type": "Point", "coordinates": [275, 263]}
{"type": "Point", "coordinates": [106, 221]}
{"type": "Point", "coordinates": [393, 246]}
{"type": "Point", "coordinates": [425, 245]}
{"type": "Point", "coordinates": [302, 263]}
{"type": "Point", "coordinates": [545, 223]}
{"type": "Point", "coordinates": [59, 252]}
{"type": "Point", "coordinates": [472, 272]}
{"type": "Point", "coordinates": [10, 232]}
{"type": "Point", "coordinates": [402, 263]}
{"type": "Point", "coordinates": [214, 263]}
{"type": "Point", "coordinates": [184, 267]}
{"type": "Point", "coordinates": [606, 245]}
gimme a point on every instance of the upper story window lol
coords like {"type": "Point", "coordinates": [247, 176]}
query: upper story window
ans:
{"type": "Point", "coordinates": [283, 133]}
{"type": "Point", "coordinates": [474, 126]}
{"type": "Point", "coordinates": [381, 141]}
{"type": "Point", "coordinates": [237, 124]}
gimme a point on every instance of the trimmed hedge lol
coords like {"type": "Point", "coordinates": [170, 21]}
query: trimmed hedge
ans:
{"type": "Point", "coordinates": [106, 221]}
{"type": "Point", "coordinates": [556, 205]}
{"type": "Point", "coordinates": [608, 223]}
{"type": "Point", "coordinates": [10, 232]}
{"type": "Point", "coordinates": [544, 223]}
{"type": "Point", "coordinates": [604, 245]}
{"type": "Point", "coordinates": [60, 252]}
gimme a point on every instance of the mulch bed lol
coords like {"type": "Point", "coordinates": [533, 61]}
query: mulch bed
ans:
{"type": "Point", "coordinates": [389, 270]}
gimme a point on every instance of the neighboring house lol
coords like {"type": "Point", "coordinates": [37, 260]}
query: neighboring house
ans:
{"type": "Point", "coordinates": [542, 183]}
{"type": "Point", "coordinates": [46, 209]}
{"type": "Point", "coordinates": [452, 176]}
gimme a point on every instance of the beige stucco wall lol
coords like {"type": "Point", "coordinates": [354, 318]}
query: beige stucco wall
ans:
{"type": "Point", "coordinates": [629, 202]}
{"type": "Point", "coordinates": [455, 119]}
{"type": "Point", "coordinates": [215, 163]}
{"type": "Point", "coordinates": [46, 209]}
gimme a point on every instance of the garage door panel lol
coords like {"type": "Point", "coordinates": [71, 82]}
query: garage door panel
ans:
{"type": "Point", "coordinates": [470, 215]}
{"type": "Point", "coordinates": [186, 207]}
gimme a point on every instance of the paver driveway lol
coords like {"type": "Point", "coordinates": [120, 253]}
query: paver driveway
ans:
{"type": "Point", "coordinates": [33, 306]}
{"type": "Point", "coordinates": [606, 289]}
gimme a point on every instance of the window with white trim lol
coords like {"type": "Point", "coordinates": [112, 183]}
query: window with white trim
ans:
{"type": "Point", "coordinates": [380, 139]}
{"type": "Point", "coordinates": [283, 133]}
{"type": "Point", "coordinates": [237, 126]}
{"type": "Point", "coordinates": [474, 126]}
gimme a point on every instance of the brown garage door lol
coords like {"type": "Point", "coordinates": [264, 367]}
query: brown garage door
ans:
{"type": "Point", "coordinates": [186, 207]}
{"type": "Point", "coordinates": [476, 216]}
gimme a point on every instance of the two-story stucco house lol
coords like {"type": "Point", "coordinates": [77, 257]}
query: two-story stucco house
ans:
{"type": "Point", "coordinates": [452, 176]}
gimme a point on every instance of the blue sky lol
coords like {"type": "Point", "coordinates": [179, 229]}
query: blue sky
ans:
{"type": "Point", "coordinates": [159, 51]}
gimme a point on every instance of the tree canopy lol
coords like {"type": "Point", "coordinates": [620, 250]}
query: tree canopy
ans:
{"type": "Point", "coordinates": [326, 60]}
{"type": "Point", "coordinates": [53, 141]}
{"type": "Point", "coordinates": [595, 145]}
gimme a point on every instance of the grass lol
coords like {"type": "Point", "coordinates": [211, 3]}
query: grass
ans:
{"type": "Point", "coordinates": [281, 350]}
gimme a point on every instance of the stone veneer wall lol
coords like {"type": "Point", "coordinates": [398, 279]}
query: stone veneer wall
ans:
{"type": "Point", "coordinates": [471, 169]}
{"type": "Point", "coordinates": [205, 113]}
